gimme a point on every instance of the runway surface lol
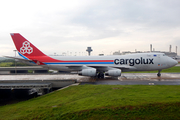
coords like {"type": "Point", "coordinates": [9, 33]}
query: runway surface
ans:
{"type": "Point", "coordinates": [125, 79]}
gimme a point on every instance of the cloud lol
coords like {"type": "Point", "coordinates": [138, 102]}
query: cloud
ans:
{"type": "Point", "coordinates": [105, 25]}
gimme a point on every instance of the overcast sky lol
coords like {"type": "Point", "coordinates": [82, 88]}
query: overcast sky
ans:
{"type": "Point", "coordinates": [57, 26]}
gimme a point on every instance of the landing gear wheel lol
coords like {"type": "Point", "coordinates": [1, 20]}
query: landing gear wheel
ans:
{"type": "Point", "coordinates": [100, 75]}
{"type": "Point", "coordinates": [159, 74]}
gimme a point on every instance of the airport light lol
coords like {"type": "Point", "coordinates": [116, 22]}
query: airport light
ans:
{"type": "Point", "coordinates": [15, 61]}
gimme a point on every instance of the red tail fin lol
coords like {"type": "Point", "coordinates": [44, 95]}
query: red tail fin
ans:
{"type": "Point", "coordinates": [25, 47]}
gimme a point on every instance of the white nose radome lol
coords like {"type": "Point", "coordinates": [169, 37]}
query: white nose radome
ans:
{"type": "Point", "coordinates": [173, 62]}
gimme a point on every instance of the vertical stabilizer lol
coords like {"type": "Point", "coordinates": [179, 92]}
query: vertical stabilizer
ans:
{"type": "Point", "coordinates": [24, 47]}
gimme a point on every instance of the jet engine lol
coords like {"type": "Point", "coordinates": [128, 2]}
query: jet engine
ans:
{"type": "Point", "coordinates": [88, 72]}
{"type": "Point", "coordinates": [114, 73]}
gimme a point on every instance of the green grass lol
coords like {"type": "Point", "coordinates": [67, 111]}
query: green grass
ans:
{"type": "Point", "coordinates": [172, 69]}
{"type": "Point", "coordinates": [12, 64]}
{"type": "Point", "coordinates": [6, 64]}
{"type": "Point", "coordinates": [100, 102]}
{"type": "Point", "coordinates": [175, 69]}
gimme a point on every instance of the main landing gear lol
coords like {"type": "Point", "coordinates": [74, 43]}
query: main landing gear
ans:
{"type": "Point", "coordinates": [159, 74]}
{"type": "Point", "coordinates": [100, 75]}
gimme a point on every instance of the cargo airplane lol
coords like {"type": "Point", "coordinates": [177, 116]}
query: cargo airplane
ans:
{"type": "Point", "coordinates": [93, 66]}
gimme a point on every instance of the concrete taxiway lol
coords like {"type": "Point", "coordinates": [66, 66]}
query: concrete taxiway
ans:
{"type": "Point", "coordinates": [125, 79]}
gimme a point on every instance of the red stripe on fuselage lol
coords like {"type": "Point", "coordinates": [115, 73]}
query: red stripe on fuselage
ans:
{"type": "Point", "coordinates": [49, 59]}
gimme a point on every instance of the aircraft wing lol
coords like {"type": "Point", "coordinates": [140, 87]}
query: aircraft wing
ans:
{"type": "Point", "coordinates": [106, 68]}
{"type": "Point", "coordinates": [32, 62]}
{"type": "Point", "coordinates": [103, 67]}
{"type": "Point", "coordinates": [17, 58]}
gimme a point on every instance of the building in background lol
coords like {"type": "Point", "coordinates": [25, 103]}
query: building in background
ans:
{"type": "Point", "coordinates": [170, 53]}
{"type": "Point", "coordinates": [89, 50]}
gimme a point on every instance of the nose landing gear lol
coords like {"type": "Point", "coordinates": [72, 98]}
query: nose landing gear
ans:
{"type": "Point", "coordinates": [159, 74]}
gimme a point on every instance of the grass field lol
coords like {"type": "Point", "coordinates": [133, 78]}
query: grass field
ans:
{"type": "Point", "coordinates": [6, 64]}
{"type": "Point", "coordinates": [175, 69]}
{"type": "Point", "coordinates": [100, 102]}
{"type": "Point", "coordinates": [12, 64]}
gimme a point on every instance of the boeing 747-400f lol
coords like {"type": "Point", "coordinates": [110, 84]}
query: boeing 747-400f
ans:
{"type": "Point", "coordinates": [93, 66]}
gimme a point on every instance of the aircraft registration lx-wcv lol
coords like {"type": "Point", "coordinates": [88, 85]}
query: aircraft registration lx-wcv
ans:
{"type": "Point", "coordinates": [93, 66]}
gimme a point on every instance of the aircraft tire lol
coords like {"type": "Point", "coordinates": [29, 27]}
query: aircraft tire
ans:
{"type": "Point", "coordinates": [159, 74]}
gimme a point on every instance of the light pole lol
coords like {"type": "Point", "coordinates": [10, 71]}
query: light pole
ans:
{"type": "Point", "coordinates": [15, 61]}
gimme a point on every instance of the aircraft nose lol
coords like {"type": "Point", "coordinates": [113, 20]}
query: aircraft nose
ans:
{"type": "Point", "coordinates": [174, 62]}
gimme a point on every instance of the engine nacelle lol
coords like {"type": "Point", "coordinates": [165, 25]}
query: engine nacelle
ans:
{"type": "Point", "coordinates": [88, 72]}
{"type": "Point", "coordinates": [115, 73]}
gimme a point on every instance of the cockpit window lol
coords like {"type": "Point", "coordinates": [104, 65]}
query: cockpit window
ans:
{"type": "Point", "coordinates": [164, 55]}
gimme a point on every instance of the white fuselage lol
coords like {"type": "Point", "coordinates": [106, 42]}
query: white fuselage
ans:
{"type": "Point", "coordinates": [130, 62]}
